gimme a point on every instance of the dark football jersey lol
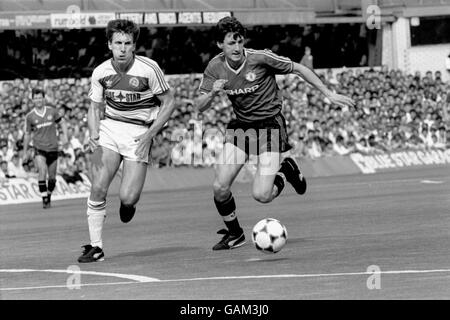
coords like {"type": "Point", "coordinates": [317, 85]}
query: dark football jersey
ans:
{"type": "Point", "coordinates": [44, 128]}
{"type": "Point", "coordinates": [252, 88]}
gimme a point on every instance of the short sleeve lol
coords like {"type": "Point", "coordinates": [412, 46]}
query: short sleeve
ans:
{"type": "Point", "coordinates": [156, 80]}
{"type": "Point", "coordinates": [96, 91]}
{"type": "Point", "coordinates": [280, 65]}
{"type": "Point", "coordinates": [207, 82]}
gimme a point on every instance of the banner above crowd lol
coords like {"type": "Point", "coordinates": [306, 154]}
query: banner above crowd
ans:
{"type": "Point", "coordinates": [81, 20]}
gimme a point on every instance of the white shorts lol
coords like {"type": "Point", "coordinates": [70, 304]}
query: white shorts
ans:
{"type": "Point", "coordinates": [120, 137]}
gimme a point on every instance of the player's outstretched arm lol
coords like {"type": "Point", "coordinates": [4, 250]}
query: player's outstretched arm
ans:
{"type": "Point", "coordinates": [165, 111]}
{"type": "Point", "coordinates": [203, 102]}
{"type": "Point", "coordinates": [311, 77]}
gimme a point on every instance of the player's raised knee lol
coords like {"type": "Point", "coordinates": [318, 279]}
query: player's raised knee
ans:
{"type": "Point", "coordinates": [130, 198]}
{"type": "Point", "coordinates": [221, 191]}
{"type": "Point", "coordinates": [262, 196]}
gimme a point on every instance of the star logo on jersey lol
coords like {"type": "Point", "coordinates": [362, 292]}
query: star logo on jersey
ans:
{"type": "Point", "coordinates": [120, 96]}
{"type": "Point", "coordinates": [108, 83]}
{"type": "Point", "coordinates": [250, 76]}
{"type": "Point", "coordinates": [134, 82]}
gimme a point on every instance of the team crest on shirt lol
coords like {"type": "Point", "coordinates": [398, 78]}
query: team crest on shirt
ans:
{"type": "Point", "coordinates": [50, 117]}
{"type": "Point", "coordinates": [250, 76]}
{"type": "Point", "coordinates": [134, 82]}
{"type": "Point", "coordinates": [108, 83]}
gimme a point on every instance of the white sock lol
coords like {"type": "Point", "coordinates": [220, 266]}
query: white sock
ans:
{"type": "Point", "coordinates": [96, 212]}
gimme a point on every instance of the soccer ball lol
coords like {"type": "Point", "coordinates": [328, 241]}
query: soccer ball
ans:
{"type": "Point", "coordinates": [269, 235]}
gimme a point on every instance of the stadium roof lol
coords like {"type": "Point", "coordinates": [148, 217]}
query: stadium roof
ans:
{"type": "Point", "coordinates": [319, 6]}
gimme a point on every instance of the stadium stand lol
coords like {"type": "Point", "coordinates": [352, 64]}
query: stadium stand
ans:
{"type": "Point", "coordinates": [394, 111]}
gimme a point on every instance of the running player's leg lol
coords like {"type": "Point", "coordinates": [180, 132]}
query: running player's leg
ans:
{"type": "Point", "coordinates": [133, 178]}
{"type": "Point", "coordinates": [105, 163]}
{"type": "Point", "coordinates": [52, 161]}
{"type": "Point", "coordinates": [267, 184]}
{"type": "Point", "coordinates": [289, 170]}
{"type": "Point", "coordinates": [41, 165]}
{"type": "Point", "coordinates": [230, 162]}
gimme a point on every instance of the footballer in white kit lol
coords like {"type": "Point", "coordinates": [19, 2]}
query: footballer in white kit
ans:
{"type": "Point", "coordinates": [131, 102]}
{"type": "Point", "coordinates": [138, 104]}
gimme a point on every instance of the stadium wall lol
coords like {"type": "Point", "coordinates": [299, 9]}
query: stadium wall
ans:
{"type": "Point", "coordinates": [397, 52]}
{"type": "Point", "coordinates": [14, 191]}
{"type": "Point", "coordinates": [430, 57]}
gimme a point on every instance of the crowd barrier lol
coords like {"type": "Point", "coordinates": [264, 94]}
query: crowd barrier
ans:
{"type": "Point", "coordinates": [399, 160]}
{"type": "Point", "coordinates": [15, 191]}
{"type": "Point", "coordinates": [20, 190]}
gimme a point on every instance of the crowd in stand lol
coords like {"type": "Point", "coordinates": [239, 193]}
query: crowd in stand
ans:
{"type": "Point", "coordinates": [51, 54]}
{"type": "Point", "coordinates": [394, 111]}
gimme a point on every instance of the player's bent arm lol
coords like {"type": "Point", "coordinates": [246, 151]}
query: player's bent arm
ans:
{"type": "Point", "coordinates": [93, 119]}
{"type": "Point", "coordinates": [311, 77]}
{"type": "Point", "coordinates": [203, 102]}
{"type": "Point", "coordinates": [165, 111]}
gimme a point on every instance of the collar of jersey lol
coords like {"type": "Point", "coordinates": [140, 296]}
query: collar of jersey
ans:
{"type": "Point", "coordinates": [43, 113]}
{"type": "Point", "coordinates": [123, 72]}
{"type": "Point", "coordinates": [240, 68]}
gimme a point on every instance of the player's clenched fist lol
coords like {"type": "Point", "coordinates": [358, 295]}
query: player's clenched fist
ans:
{"type": "Point", "coordinates": [219, 84]}
{"type": "Point", "coordinates": [144, 144]}
{"type": "Point", "coordinates": [93, 143]}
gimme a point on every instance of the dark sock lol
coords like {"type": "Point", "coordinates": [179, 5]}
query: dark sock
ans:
{"type": "Point", "coordinates": [43, 189]}
{"type": "Point", "coordinates": [42, 186]}
{"type": "Point", "coordinates": [51, 185]}
{"type": "Point", "coordinates": [227, 209]}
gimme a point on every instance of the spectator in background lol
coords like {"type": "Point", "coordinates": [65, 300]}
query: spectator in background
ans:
{"type": "Point", "coordinates": [339, 146]}
{"type": "Point", "coordinates": [67, 169]}
{"type": "Point", "coordinates": [386, 101]}
{"type": "Point", "coordinates": [313, 149]}
{"type": "Point", "coordinates": [4, 169]}
{"type": "Point", "coordinates": [307, 59]}
{"type": "Point", "coordinates": [15, 168]}
{"type": "Point", "coordinates": [160, 154]}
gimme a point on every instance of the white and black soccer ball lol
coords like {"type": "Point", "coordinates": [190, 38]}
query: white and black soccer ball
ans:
{"type": "Point", "coordinates": [269, 235]}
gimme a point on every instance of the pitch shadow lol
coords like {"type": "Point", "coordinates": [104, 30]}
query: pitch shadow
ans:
{"type": "Point", "coordinates": [154, 252]}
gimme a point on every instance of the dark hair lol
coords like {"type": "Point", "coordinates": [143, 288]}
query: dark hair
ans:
{"type": "Point", "coordinates": [36, 91]}
{"type": "Point", "coordinates": [122, 26]}
{"type": "Point", "coordinates": [226, 25]}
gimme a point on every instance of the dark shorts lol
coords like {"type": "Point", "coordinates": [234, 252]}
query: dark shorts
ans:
{"type": "Point", "coordinates": [50, 156]}
{"type": "Point", "coordinates": [268, 135]}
